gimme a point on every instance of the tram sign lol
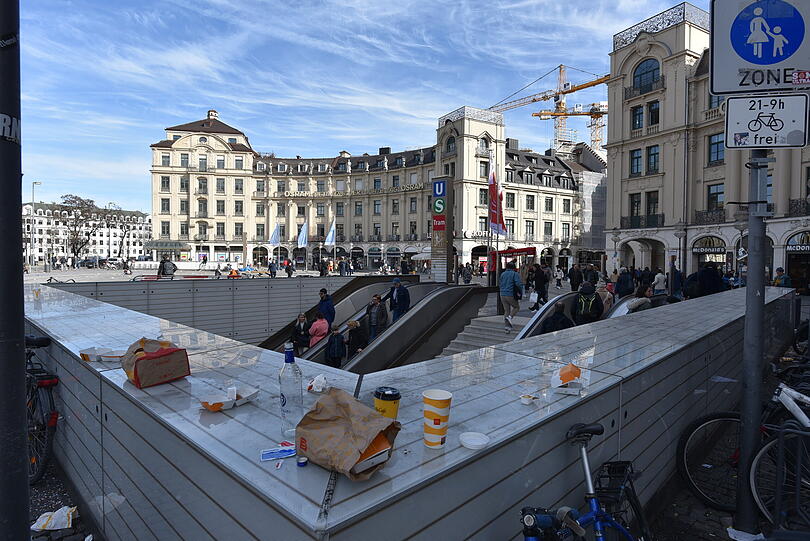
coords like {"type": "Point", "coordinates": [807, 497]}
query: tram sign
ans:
{"type": "Point", "coordinates": [759, 121]}
{"type": "Point", "coordinates": [758, 46]}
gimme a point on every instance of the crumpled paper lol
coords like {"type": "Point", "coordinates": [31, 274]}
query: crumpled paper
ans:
{"type": "Point", "coordinates": [56, 520]}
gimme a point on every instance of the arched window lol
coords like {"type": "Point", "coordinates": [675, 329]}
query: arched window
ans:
{"type": "Point", "coordinates": [645, 74]}
{"type": "Point", "coordinates": [451, 144]}
{"type": "Point", "coordinates": [483, 144]}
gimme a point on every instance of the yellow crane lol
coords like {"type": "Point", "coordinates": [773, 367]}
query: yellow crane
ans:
{"type": "Point", "coordinates": [562, 135]}
{"type": "Point", "coordinates": [597, 111]}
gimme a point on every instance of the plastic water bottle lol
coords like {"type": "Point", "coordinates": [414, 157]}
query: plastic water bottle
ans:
{"type": "Point", "coordinates": [291, 389]}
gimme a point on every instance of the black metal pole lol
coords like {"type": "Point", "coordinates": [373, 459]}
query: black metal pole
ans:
{"type": "Point", "coordinates": [13, 445]}
{"type": "Point", "coordinates": [746, 516]}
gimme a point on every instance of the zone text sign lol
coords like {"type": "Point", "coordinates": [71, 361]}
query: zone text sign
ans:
{"type": "Point", "coordinates": [758, 46]}
{"type": "Point", "coordinates": [766, 121]}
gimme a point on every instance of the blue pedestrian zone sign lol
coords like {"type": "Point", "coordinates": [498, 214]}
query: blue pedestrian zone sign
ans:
{"type": "Point", "coordinates": [767, 32]}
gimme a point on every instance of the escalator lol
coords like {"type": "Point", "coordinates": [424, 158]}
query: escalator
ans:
{"type": "Point", "coordinates": [621, 307]}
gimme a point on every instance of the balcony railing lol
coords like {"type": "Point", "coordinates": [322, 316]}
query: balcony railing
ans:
{"type": "Point", "coordinates": [317, 238]}
{"type": "Point", "coordinates": [640, 90]}
{"type": "Point", "coordinates": [799, 207]}
{"type": "Point", "coordinates": [712, 114]}
{"type": "Point", "coordinates": [219, 237]}
{"type": "Point", "coordinates": [640, 222]}
{"type": "Point", "coordinates": [375, 238]}
{"type": "Point", "coordinates": [201, 191]}
{"type": "Point", "coordinates": [637, 132]}
{"type": "Point", "coordinates": [705, 217]}
{"type": "Point", "coordinates": [259, 238]}
{"type": "Point", "coordinates": [239, 237]}
{"type": "Point", "coordinates": [182, 236]}
{"type": "Point", "coordinates": [357, 238]}
{"type": "Point", "coordinates": [651, 130]}
{"type": "Point", "coordinates": [260, 195]}
{"type": "Point", "coordinates": [340, 238]}
{"type": "Point", "coordinates": [200, 237]}
{"type": "Point", "coordinates": [201, 214]}
{"type": "Point", "coordinates": [413, 236]}
{"type": "Point", "coordinates": [393, 237]}
{"type": "Point", "coordinates": [164, 235]}
{"type": "Point", "coordinates": [548, 238]}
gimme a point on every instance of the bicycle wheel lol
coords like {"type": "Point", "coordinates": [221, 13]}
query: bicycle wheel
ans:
{"type": "Point", "coordinates": [755, 125]}
{"type": "Point", "coordinates": [777, 124]}
{"type": "Point", "coordinates": [629, 513]}
{"type": "Point", "coordinates": [708, 458]}
{"type": "Point", "coordinates": [795, 481]}
{"type": "Point", "coordinates": [40, 430]}
{"type": "Point", "coordinates": [800, 340]}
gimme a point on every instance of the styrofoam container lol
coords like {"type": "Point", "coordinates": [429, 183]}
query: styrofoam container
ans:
{"type": "Point", "coordinates": [474, 440]}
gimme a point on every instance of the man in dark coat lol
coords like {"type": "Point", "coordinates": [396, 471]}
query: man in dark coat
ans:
{"type": "Point", "coordinates": [376, 316]}
{"type": "Point", "coordinates": [300, 334]}
{"type": "Point", "coordinates": [575, 277]}
{"type": "Point", "coordinates": [326, 306]}
{"type": "Point", "coordinates": [625, 284]}
{"type": "Point", "coordinates": [539, 280]}
{"type": "Point", "coordinates": [709, 279]}
{"type": "Point", "coordinates": [335, 348]}
{"type": "Point", "coordinates": [166, 267]}
{"type": "Point", "coordinates": [556, 321]}
{"type": "Point", "coordinates": [400, 300]}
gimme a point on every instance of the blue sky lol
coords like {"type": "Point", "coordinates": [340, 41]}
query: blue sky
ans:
{"type": "Point", "coordinates": [101, 80]}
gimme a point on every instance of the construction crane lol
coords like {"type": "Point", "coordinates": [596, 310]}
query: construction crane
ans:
{"type": "Point", "coordinates": [597, 112]}
{"type": "Point", "coordinates": [562, 136]}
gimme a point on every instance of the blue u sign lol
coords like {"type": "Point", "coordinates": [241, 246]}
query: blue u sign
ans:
{"type": "Point", "coordinates": [439, 188]}
{"type": "Point", "coordinates": [767, 32]}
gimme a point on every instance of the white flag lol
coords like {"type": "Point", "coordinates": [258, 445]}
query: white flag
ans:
{"type": "Point", "coordinates": [275, 237]}
{"type": "Point", "coordinates": [330, 237]}
{"type": "Point", "coordinates": [303, 236]}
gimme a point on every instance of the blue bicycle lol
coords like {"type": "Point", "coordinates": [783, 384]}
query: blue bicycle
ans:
{"type": "Point", "coordinates": [614, 510]}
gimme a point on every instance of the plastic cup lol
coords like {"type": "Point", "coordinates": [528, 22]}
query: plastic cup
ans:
{"type": "Point", "coordinates": [386, 401]}
{"type": "Point", "coordinates": [436, 404]}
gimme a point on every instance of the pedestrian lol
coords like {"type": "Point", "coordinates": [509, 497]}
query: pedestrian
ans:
{"type": "Point", "coordinates": [575, 277]}
{"type": "Point", "coordinates": [659, 284]}
{"type": "Point", "coordinates": [377, 317]}
{"type": "Point", "coordinates": [625, 285]}
{"type": "Point", "coordinates": [300, 334]}
{"type": "Point", "coordinates": [342, 267]}
{"type": "Point", "coordinates": [217, 272]}
{"type": "Point", "coordinates": [511, 291]}
{"type": "Point", "coordinates": [326, 306]}
{"type": "Point", "coordinates": [558, 276]}
{"type": "Point", "coordinates": [273, 269]}
{"type": "Point", "coordinates": [540, 285]}
{"type": "Point", "coordinates": [588, 306]}
{"type": "Point", "coordinates": [166, 267]}
{"type": "Point", "coordinates": [358, 338]}
{"type": "Point", "coordinates": [556, 321]}
{"type": "Point", "coordinates": [203, 262]}
{"type": "Point", "coordinates": [335, 348]}
{"type": "Point", "coordinates": [782, 279]}
{"type": "Point", "coordinates": [677, 284]}
{"type": "Point", "coordinates": [591, 274]}
{"type": "Point", "coordinates": [646, 276]}
{"type": "Point", "coordinates": [709, 280]}
{"type": "Point", "coordinates": [466, 273]}
{"type": "Point", "coordinates": [400, 300]}
{"type": "Point", "coordinates": [288, 268]}
{"type": "Point", "coordinates": [324, 268]}
{"type": "Point", "coordinates": [642, 299]}
{"type": "Point", "coordinates": [318, 329]}
{"type": "Point", "coordinates": [614, 276]}
{"type": "Point", "coordinates": [480, 268]}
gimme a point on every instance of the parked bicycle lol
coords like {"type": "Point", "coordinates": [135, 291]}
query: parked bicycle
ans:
{"type": "Point", "coordinates": [614, 510]}
{"type": "Point", "coordinates": [42, 414]}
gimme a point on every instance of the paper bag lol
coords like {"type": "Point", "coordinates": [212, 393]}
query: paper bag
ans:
{"type": "Point", "coordinates": [339, 429]}
{"type": "Point", "coordinates": [152, 362]}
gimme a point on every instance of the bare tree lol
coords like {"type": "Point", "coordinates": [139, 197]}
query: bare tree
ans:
{"type": "Point", "coordinates": [80, 222]}
{"type": "Point", "coordinates": [126, 227]}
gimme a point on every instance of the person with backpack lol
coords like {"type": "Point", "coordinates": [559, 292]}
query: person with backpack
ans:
{"type": "Point", "coordinates": [166, 267]}
{"type": "Point", "coordinates": [511, 291]}
{"type": "Point", "coordinates": [588, 306]}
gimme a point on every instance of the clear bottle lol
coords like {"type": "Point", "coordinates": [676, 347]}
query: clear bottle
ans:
{"type": "Point", "coordinates": [291, 390]}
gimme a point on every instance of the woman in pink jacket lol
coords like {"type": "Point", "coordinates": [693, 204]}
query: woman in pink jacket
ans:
{"type": "Point", "coordinates": [318, 330]}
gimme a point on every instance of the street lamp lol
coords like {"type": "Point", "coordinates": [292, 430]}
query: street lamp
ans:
{"type": "Point", "coordinates": [741, 224]}
{"type": "Point", "coordinates": [615, 237]}
{"type": "Point", "coordinates": [33, 220]}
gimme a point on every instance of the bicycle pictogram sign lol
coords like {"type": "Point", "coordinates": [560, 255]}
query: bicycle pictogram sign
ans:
{"type": "Point", "coordinates": [767, 120]}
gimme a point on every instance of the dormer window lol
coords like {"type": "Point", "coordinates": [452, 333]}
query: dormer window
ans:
{"type": "Point", "coordinates": [302, 167]}
{"type": "Point", "coordinates": [175, 137]}
{"type": "Point", "coordinates": [232, 140]}
{"type": "Point", "coordinates": [546, 180]}
{"type": "Point", "coordinates": [379, 163]}
{"type": "Point", "coordinates": [282, 167]}
{"type": "Point", "coordinates": [321, 167]}
{"type": "Point", "coordinates": [400, 161]}
{"type": "Point", "coordinates": [341, 166]}
{"type": "Point", "coordinates": [203, 140]}
{"type": "Point", "coordinates": [483, 144]}
{"type": "Point", "coordinates": [361, 164]}
{"type": "Point", "coordinates": [261, 166]}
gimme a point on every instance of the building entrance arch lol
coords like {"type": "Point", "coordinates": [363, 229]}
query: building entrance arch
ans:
{"type": "Point", "coordinates": [642, 252]}
{"type": "Point", "coordinates": [564, 260]}
{"type": "Point", "coordinates": [547, 256]}
{"type": "Point", "coordinates": [260, 256]}
{"type": "Point", "coordinates": [710, 249]}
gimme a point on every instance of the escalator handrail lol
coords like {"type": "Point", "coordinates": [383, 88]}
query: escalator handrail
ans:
{"type": "Point", "coordinates": [627, 298]}
{"type": "Point", "coordinates": [538, 316]}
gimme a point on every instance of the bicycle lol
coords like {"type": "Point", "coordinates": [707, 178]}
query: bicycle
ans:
{"type": "Point", "coordinates": [41, 413]}
{"type": "Point", "coordinates": [768, 120]}
{"type": "Point", "coordinates": [800, 336]}
{"type": "Point", "coordinates": [614, 510]}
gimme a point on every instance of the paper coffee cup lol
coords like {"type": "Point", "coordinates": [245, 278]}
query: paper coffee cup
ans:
{"type": "Point", "coordinates": [436, 403]}
{"type": "Point", "coordinates": [386, 401]}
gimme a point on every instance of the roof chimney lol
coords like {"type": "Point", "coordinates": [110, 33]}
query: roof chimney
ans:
{"type": "Point", "coordinates": [212, 114]}
{"type": "Point", "coordinates": [385, 150]}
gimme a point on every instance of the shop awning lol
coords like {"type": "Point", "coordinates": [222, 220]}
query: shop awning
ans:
{"type": "Point", "coordinates": [168, 245]}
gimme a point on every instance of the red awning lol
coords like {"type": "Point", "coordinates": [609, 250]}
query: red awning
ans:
{"type": "Point", "coordinates": [514, 251]}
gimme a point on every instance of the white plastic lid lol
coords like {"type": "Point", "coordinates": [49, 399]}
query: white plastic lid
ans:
{"type": "Point", "coordinates": [474, 440]}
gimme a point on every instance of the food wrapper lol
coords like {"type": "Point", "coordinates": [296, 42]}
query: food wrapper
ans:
{"type": "Point", "coordinates": [339, 429]}
{"type": "Point", "coordinates": [317, 384]}
{"type": "Point", "coordinates": [152, 362]}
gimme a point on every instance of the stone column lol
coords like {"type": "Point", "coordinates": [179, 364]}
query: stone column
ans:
{"type": "Point", "coordinates": [734, 172]}
{"type": "Point", "coordinates": [781, 181]}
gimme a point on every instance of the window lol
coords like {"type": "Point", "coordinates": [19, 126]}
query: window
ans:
{"type": "Point", "coordinates": [321, 167]}
{"type": "Point", "coordinates": [548, 228]}
{"type": "Point", "coordinates": [635, 204]}
{"type": "Point", "coordinates": [340, 185]}
{"type": "Point", "coordinates": [395, 181]}
{"type": "Point", "coordinates": [231, 140]}
{"type": "Point", "coordinates": [302, 210]}
{"type": "Point", "coordinates": [637, 117]}
{"type": "Point", "coordinates": [358, 208]}
{"type": "Point", "coordinates": [260, 186]}
{"type": "Point", "coordinates": [483, 196]}
{"type": "Point", "coordinates": [652, 159]}
{"type": "Point", "coordinates": [341, 166]}
{"type": "Point", "coordinates": [339, 208]}
{"type": "Point", "coordinates": [320, 185]}
{"type": "Point", "coordinates": [510, 226]}
{"type": "Point", "coordinates": [239, 208]}
{"type": "Point", "coordinates": [510, 200]}
{"type": "Point", "coordinates": [653, 113]}
{"type": "Point", "coordinates": [202, 185]}
{"type": "Point", "coordinates": [360, 165]}
{"type": "Point", "coordinates": [376, 229]}
{"type": "Point", "coordinates": [412, 228]}
{"type": "Point", "coordinates": [238, 185]}
{"type": "Point", "coordinates": [548, 204]}
{"type": "Point", "coordinates": [184, 184]}
{"type": "Point", "coordinates": [282, 168]}
{"type": "Point", "coordinates": [450, 169]}
{"type": "Point", "coordinates": [281, 209]}
{"type": "Point", "coordinates": [716, 148]}
{"type": "Point", "coordinates": [320, 209]}
{"type": "Point", "coordinates": [320, 230]}
{"type": "Point", "coordinates": [220, 229]}
{"type": "Point", "coordinates": [238, 229]}
{"type": "Point", "coordinates": [239, 162]}
{"type": "Point", "coordinates": [165, 184]}
{"type": "Point", "coordinates": [260, 231]}
{"type": "Point", "coordinates": [203, 139]}
{"type": "Point", "coordinates": [302, 186]}
{"type": "Point", "coordinates": [358, 229]}
{"type": "Point", "coordinates": [415, 177]}
{"type": "Point", "coordinates": [358, 184]}
{"type": "Point", "coordinates": [339, 231]}
{"type": "Point", "coordinates": [261, 166]}
{"type": "Point", "coordinates": [652, 203]}
{"type": "Point", "coordinates": [183, 206]}
{"type": "Point", "coordinates": [528, 178]}
{"type": "Point", "coordinates": [282, 231]}
{"type": "Point", "coordinates": [183, 230]}
{"type": "Point", "coordinates": [715, 101]}
{"type": "Point", "coordinates": [714, 196]}
{"type": "Point", "coordinates": [546, 180]}
{"type": "Point", "coordinates": [529, 202]}
{"type": "Point", "coordinates": [175, 137]}
{"type": "Point", "coordinates": [566, 230]}
{"type": "Point", "coordinates": [635, 162]}
{"type": "Point", "coordinates": [202, 161]}
{"type": "Point", "coordinates": [259, 209]}
{"type": "Point", "coordinates": [483, 144]}
{"type": "Point", "coordinates": [769, 185]}
{"type": "Point", "coordinates": [483, 169]}
{"type": "Point", "coordinates": [377, 206]}
{"type": "Point", "coordinates": [566, 206]}
{"type": "Point", "coordinates": [646, 74]}
{"type": "Point", "coordinates": [377, 183]}
{"type": "Point", "coordinates": [164, 160]}
{"type": "Point", "coordinates": [281, 186]}
{"type": "Point", "coordinates": [412, 205]}
{"type": "Point", "coordinates": [183, 160]}
{"type": "Point", "coordinates": [450, 146]}
{"type": "Point", "coordinates": [529, 229]}
{"type": "Point", "coordinates": [220, 162]}
{"type": "Point", "coordinates": [220, 185]}
{"type": "Point", "coordinates": [510, 175]}
{"type": "Point", "coordinates": [164, 206]}
{"type": "Point", "coordinates": [482, 223]}
{"type": "Point", "coordinates": [395, 206]}
{"type": "Point", "coordinates": [395, 228]}
{"type": "Point", "coordinates": [220, 207]}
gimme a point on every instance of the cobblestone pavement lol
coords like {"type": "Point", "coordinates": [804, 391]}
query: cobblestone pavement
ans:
{"type": "Point", "coordinates": [684, 517]}
{"type": "Point", "coordinates": [49, 494]}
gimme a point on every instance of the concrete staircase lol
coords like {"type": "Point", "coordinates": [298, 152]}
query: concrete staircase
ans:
{"type": "Point", "coordinates": [482, 332]}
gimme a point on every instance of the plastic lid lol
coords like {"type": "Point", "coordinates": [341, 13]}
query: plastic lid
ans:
{"type": "Point", "coordinates": [387, 393]}
{"type": "Point", "coordinates": [474, 440]}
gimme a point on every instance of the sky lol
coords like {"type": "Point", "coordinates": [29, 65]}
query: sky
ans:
{"type": "Point", "coordinates": [102, 80]}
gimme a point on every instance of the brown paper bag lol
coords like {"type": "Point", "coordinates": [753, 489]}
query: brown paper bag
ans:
{"type": "Point", "coordinates": [338, 429]}
{"type": "Point", "coordinates": [150, 362]}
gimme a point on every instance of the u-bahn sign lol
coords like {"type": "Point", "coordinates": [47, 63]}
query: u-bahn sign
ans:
{"type": "Point", "coordinates": [758, 46]}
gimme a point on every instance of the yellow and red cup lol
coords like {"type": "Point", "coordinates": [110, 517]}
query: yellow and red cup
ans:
{"type": "Point", "coordinates": [436, 404]}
